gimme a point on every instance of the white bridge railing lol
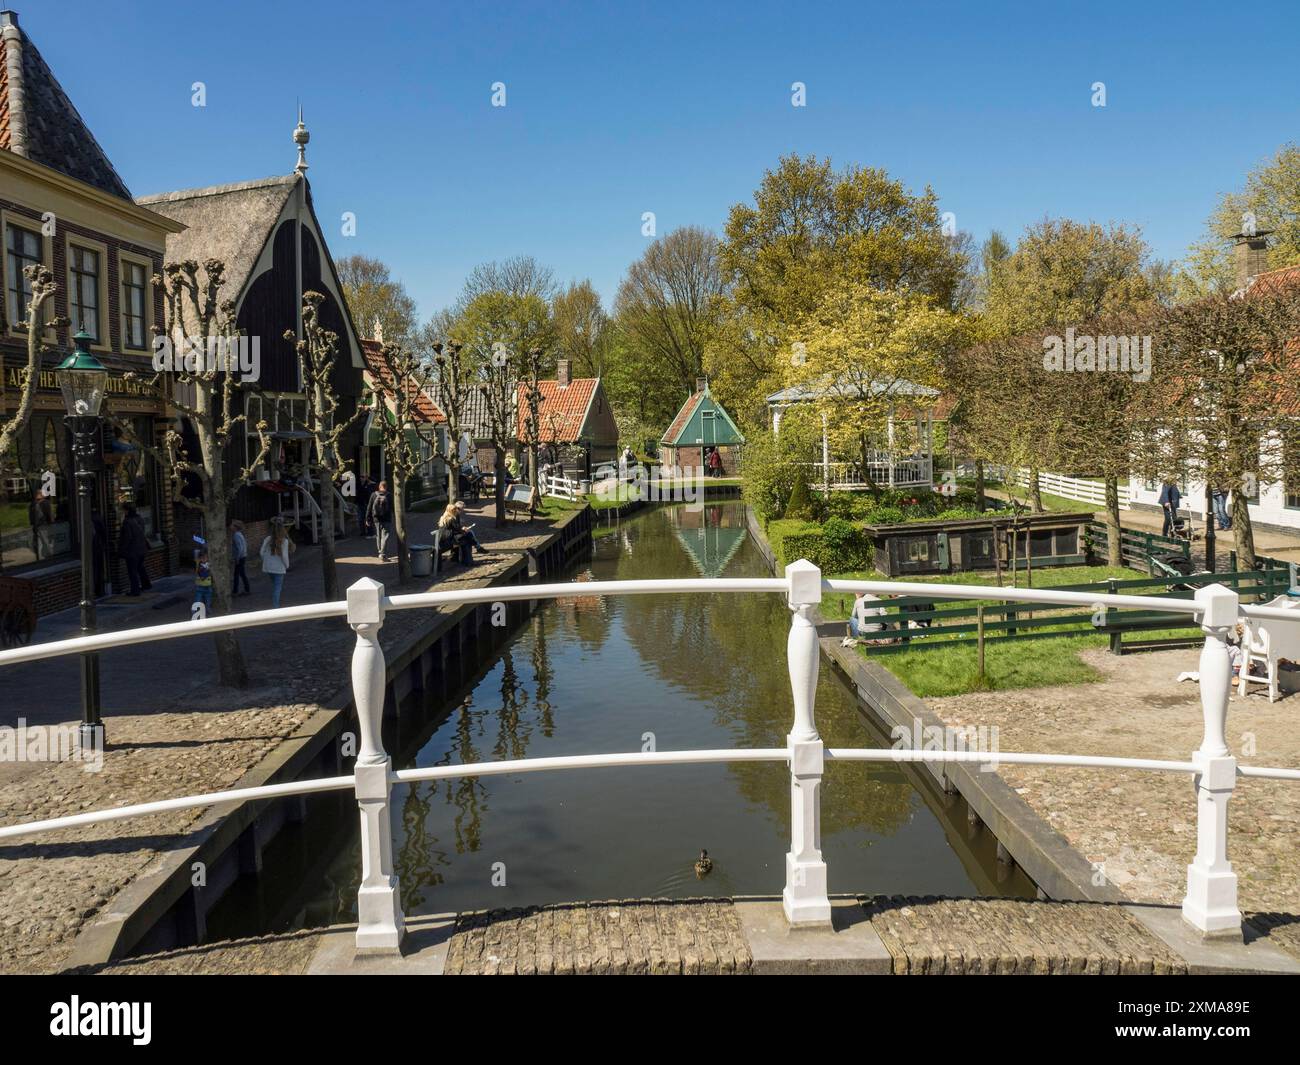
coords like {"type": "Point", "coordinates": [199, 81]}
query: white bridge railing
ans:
{"type": "Point", "coordinates": [1210, 904]}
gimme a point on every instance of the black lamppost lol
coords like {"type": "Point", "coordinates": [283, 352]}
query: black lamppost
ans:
{"type": "Point", "coordinates": [82, 379]}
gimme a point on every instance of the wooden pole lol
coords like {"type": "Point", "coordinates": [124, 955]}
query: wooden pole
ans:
{"type": "Point", "coordinates": [979, 644]}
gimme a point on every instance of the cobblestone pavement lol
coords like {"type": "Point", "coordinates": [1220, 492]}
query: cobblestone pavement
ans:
{"type": "Point", "coordinates": [1140, 827]}
{"type": "Point", "coordinates": [171, 732]}
{"type": "Point", "coordinates": [280, 955]}
{"type": "Point", "coordinates": [1003, 936]}
{"type": "Point", "coordinates": [634, 936]}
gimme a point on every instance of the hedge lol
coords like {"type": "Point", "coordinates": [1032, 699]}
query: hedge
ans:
{"type": "Point", "coordinates": [836, 547]}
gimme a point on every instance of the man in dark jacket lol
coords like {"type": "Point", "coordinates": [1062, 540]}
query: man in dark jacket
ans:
{"type": "Point", "coordinates": [132, 546]}
{"type": "Point", "coordinates": [379, 511]}
{"type": "Point", "coordinates": [1169, 500]}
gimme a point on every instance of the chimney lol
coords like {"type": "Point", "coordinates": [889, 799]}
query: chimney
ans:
{"type": "Point", "coordinates": [13, 59]}
{"type": "Point", "coordinates": [701, 384]}
{"type": "Point", "coordinates": [562, 376]}
{"type": "Point", "coordinates": [1251, 254]}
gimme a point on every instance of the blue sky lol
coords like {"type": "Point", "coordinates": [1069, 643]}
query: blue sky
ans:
{"type": "Point", "coordinates": [617, 109]}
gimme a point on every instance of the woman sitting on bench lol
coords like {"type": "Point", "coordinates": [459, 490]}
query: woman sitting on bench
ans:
{"type": "Point", "coordinates": [462, 535]}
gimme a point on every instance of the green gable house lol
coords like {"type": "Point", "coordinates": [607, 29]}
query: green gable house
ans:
{"type": "Point", "coordinates": [702, 427]}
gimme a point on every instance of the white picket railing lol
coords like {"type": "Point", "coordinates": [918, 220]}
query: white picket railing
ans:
{"type": "Point", "coordinates": [1090, 492]}
{"type": "Point", "coordinates": [883, 471]}
{"type": "Point", "coordinates": [1210, 904]}
{"type": "Point", "coordinates": [556, 484]}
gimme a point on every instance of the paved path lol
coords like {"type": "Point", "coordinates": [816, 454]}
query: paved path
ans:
{"type": "Point", "coordinates": [899, 935]}
{"type": "Point", "coordinates": [172, 731]}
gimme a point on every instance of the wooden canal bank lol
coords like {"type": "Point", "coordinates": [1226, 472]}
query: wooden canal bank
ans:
{"type": "Point", "coordinates": [426, 652]}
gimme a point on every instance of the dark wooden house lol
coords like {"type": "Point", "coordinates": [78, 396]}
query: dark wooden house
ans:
{"type": "Point", "coordinates": [267, 234]}
{"type": "Point", "coordinates": [988, 543]}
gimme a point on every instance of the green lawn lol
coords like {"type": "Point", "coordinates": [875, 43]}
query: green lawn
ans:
{"type": "Point", "coordinates": [937, 666]}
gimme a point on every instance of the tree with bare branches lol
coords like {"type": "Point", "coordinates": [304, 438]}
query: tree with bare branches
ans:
{"type": "Point", "coordinates": [455, 373]}
{"type": "Point", "coordinates": [193, 373]}
{"type": "Point", "coordinates": [43, 289]}
{"type": "Point", "coordinates": [397, 394]}
{"type": "Point", "coordinates": [318, 353]}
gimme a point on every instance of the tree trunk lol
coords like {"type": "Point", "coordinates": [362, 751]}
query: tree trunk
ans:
{"type": "Point", "coordinates": [329, 569]}
{"type": "Point", "coordinates": [499, 490]}
{"type": "Point", "coordinates": [1242, 533]}
{"type": "Point", "coordinates": [1114, 548]}
{"type": "Point", "coordinates": [399, 526]}
{"type": "Point", "coordinates": [980, 501]}
{"type": "Point", "coordinates": [1035, 491]}
{"type": "Point", "coordinates": [230, 659]}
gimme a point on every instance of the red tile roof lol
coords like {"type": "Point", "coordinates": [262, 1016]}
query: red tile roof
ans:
{"type": "Point", "coordinates": [683, 416]}
{"type": "Point", "coordinates": [424, 408]}
{"type": "Point", "coordinates": [1275, 280]}
{"type": "Point", "coordinates": [562, 410]}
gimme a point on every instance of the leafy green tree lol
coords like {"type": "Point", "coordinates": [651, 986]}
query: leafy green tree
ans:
{"type": "Point", "coordinates": [809, 227]}
{"type": "Point", "coordinates": [582, 328]}
{"type": "Point", "coordinates": [374, 296]}
{"type": "Point", "coordinates": [1272, 196]}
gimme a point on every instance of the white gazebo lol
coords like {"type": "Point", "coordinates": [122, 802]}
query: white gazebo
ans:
{"type": "Point", "coordinates": [886, 467]}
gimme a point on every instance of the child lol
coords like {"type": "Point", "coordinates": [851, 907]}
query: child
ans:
{"type": "Point", "coordinates": [203, 581]}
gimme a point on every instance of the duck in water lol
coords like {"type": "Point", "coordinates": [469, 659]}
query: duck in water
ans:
{"type": "Point", "coordinates": [703, 866]}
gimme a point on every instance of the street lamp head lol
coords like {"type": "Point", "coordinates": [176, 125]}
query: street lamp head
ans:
{"type": "Point", "coordinates": [82, 379]}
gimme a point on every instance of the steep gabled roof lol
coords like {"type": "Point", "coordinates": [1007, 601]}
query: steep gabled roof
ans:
{"type": "Point", "coordinates": [38, 121]}
{"type": "Point", "coordinates": [702, 398]}
{"type": "Point", "coordinates": [227, 222]}
{"type": "Point", "coordinates": [424, 409]}
{"type": "Point", "coordinates": [563, 409]}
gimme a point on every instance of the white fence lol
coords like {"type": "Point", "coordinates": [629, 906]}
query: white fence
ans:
{"type": "Point", "coordinates": [1210, 904]}
{"type": "Point", "coordinates": [1090, 492]}
{"type": "Point", "coordinates": [556, 484]}
{"type": "Point", "coordinates": [882, 471]}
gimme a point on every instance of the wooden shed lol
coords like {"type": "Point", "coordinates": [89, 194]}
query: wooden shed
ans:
{"type": "Point", "coordinates": [925, 547]}
{"type": "Point", "coordinates": [701, 427]}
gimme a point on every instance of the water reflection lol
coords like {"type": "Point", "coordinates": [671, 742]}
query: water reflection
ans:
{"type": "Point", "coordinates": [589, 675]}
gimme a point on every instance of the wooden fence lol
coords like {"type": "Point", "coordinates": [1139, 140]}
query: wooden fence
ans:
{"type": "Point", "coordinates": [912, 622]}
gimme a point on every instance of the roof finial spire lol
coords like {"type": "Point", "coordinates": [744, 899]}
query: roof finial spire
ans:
{"type": "Point", "coordinates": [300, 138]}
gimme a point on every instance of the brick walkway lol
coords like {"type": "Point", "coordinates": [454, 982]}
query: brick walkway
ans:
{"type": "Point", "coordinates": [172, 731]}
{"type": "Point", "coordinates": [1139, 828]}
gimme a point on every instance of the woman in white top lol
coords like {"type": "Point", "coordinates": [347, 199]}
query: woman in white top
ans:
{"type": "Point", "coordinates": [275, 558]}
{"type": "Point", "coordinates": [866, 609]}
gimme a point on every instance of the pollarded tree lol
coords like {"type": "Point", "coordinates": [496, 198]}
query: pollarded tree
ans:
{"type": "Point", "coordinates": [197, 374]}
{"type": "Point", "coordinates": [403, 380]}
{"type": "Point", "coordinates": [453, 388]}
{"type": "Point", "coordinates": [318, 353]}
{"type": "Point", "coordinates": [1226, 409]}
{"type": "Point", "coordinates": [43, 289]}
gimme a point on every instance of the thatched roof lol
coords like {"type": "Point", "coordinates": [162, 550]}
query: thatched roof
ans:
{"type": "Point", "coordinates": [227, 222]}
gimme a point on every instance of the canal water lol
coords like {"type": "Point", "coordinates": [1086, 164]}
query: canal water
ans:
{"type": "Point", "coordinates": [591, 675]}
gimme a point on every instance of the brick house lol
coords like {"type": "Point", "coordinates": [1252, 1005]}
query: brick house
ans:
{"type": "Point", "coordinates": [432, 473]}
{"type": "Point", "coordinates": [63, 204]}
{"type": "Point", "coordinates": [700, 427]}
{"type": "Point", "coordinates": [575, 424]}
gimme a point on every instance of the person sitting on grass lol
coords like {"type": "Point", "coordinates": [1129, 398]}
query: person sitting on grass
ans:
{"type": "Point", "coordinates": [862, 621]}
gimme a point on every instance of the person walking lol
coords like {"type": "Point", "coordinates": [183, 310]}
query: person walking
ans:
{"type": "Point", "coordinates": [1220, 497]}
{"type": "Point", "coordinates": [275, 558]}
{"type": "Point", "coordinates": [1169, 501]}
{"type": "Point", "coordinates": [132, 546]}
{"type": "Point", "coordinates": [203, 581]}
{"type": "Point", "coordinates": [379, 512]}
{"type": "Point", "coordinates": [715, 462]}
{"type": "Point", "coordinates": [239, 559]}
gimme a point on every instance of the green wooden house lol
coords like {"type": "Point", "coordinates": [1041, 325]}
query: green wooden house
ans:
{"type": "Point", "coordinates": [701, 427]}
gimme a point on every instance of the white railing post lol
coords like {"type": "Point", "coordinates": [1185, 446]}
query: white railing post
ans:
{"type": "Point", "coordinates": [380, 924]}
{"type": "Point", "coordinates": [1210, 905]}
{"type": "Point", "coordinates": [804, 900]}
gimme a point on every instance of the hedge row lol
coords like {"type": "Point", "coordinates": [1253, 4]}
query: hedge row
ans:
{"type": "Point", "coordinates": [835, 547]}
